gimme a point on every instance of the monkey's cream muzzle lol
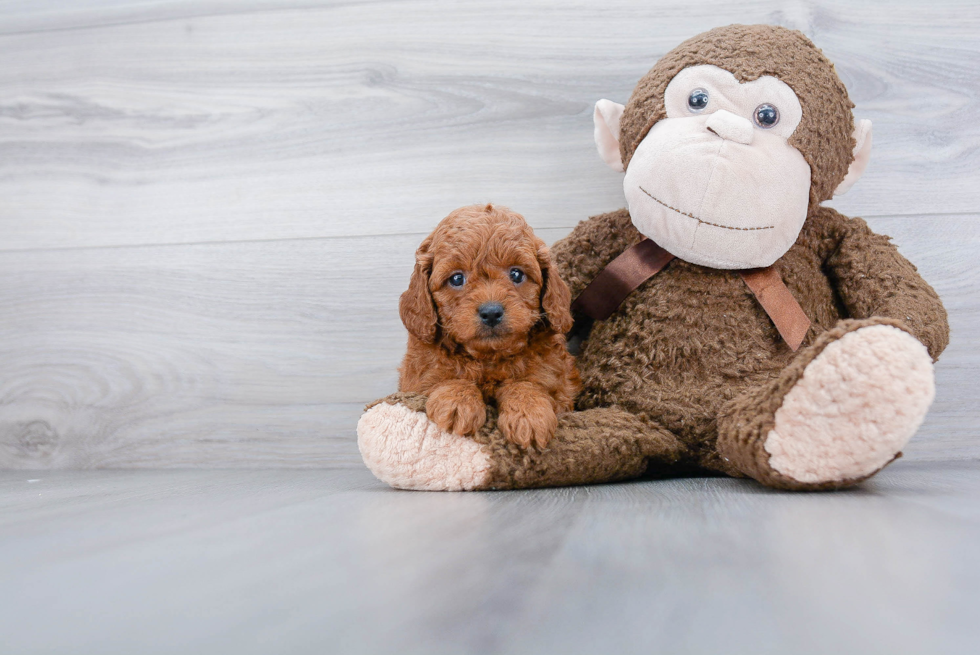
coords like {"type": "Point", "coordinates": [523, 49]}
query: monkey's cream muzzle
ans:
{"type": "Point", "coordinates": [728, 197]}
{"type": "Point", "coordinates": [716, 182]}
{"type": "Point", "coordinates": [710, 183]}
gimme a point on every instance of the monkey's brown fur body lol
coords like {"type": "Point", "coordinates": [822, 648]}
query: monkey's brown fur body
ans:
{"type": "Point", "coordinates": [521, 365]}
{"type": "Point", "coordinates": [689, 373]}
{"type": "Point", "coordinates": [709, 354]}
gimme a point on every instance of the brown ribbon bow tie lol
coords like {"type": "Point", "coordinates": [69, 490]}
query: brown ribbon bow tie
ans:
{"type": "Point", "coordinates": [642, 261]}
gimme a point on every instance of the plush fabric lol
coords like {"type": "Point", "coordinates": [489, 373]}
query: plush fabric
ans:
{"type": "Point", "coordinates": [856, 405]}
{"type": "Point", "coordinates": [862, 155]}
{"type": "Point", "coordinates": [689, 374]}
{"type": "Point", "coordinates": [749, 52]}
{"type": "Point", "coordinates": [747, 421]}
{"type": "Point", "coordinates": [405, 450]}
{"type": "Point", "coordinates": [606, 119]}
{"type": "Point", "coordinates": [692, 339]}
{"type": "Point", "coordinates": [402, 447]}
{"type": "Point", "coordinates": [736, 212]}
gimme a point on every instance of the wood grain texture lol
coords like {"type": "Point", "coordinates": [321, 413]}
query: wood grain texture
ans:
{"type": "Point", "coordinates": [208, 209]}
{"type": "Point", "coordinates": [333, 561]}
{"type": "Point", "coordinates": [177, 122]}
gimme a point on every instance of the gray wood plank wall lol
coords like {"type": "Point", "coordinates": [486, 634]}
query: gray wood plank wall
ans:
{"type": "Point", "coordinates": [208, 209]}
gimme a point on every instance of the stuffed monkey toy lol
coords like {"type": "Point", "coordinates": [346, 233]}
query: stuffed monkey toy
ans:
{"type": "Point", "coordinates": [738, 327]}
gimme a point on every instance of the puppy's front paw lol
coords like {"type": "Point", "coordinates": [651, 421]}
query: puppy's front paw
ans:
{"type": "Point", "coordinates": [523, 424]}
{"type": "Point", "coordinates": [457, 408]}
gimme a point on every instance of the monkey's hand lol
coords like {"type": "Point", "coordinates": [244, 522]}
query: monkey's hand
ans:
{"type": "Point", "coordinates": [457, 406]}
{"type": "Point", "coordinates": [527, 414]}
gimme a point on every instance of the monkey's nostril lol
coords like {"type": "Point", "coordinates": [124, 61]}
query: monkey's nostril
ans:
{"type": "Point", "coordinates": [730, 127]}
{"type": "Point", "coordinates": [491, 313]}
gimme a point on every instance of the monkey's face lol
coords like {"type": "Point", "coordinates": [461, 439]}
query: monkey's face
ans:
{"type": "Point", "coordinates": [715, 182]}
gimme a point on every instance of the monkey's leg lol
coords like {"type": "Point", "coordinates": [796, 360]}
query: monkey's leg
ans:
{"type": "Point", "coordinates": [841, 412]}
{"type": "Point", "coordinates": [404, 448]}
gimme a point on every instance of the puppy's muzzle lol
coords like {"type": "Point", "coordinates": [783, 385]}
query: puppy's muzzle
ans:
{"type": "Point", "coordinates": [491, 313]}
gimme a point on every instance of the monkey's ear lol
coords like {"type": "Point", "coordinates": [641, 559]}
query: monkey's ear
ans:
{"type": "Point", "coordinates": [416, 307]}
{"type": "Point", "coordinates": [556, 299]}
{"type": "Point", "coordinates": [862, 153]}
{"type": "Point", "coordinates": [606, 118]}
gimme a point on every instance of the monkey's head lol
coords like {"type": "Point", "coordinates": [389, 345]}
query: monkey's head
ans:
{"type": "Point", "coordinates": [730, 140]}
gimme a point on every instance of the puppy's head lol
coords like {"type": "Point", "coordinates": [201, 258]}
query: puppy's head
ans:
{"type": "Point", "coordinates": [483, 280]}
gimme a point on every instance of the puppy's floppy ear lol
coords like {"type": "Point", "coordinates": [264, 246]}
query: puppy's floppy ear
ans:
{"type": "Point", "coordinates": [417, 309]}
{"type": "Point", "coordinates": [556, 299]}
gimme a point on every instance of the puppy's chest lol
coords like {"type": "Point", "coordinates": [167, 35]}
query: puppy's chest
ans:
{"type": "Point", "coordinates": [490, 376]}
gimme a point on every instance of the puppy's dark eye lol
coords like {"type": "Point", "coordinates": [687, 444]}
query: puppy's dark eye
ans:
{"type": "Point", "coordinates": [457, 280]}
{"type": "Point", "coordinates": [698, 100]}
{"type": "Point", "coordinates": [766, 116]}
{"type": "Point", "coordinates": [517, 275]}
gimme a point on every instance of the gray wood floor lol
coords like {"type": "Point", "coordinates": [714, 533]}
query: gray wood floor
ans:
{"type": "Point", "coordinates": [332, 561]}
{"type": "Point", "coordinates": [208, 209]}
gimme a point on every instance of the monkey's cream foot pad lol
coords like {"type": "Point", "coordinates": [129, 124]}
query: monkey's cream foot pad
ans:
{"type": "Point", "coordinates": [405, 449]}
{"type": "Point", "coordinates": [856, 406]}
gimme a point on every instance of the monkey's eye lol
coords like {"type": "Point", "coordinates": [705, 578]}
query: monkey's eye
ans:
{"type": "Point", "coordinates": [457, 280]}
{"type": "Point", "coordinates": [766, 116]}
{"type": "Point", "coordinates": [517, 275]}
{"type": "Point", "coordinates": [698, 100]}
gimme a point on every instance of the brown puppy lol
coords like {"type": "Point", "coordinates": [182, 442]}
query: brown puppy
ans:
{"type": "Point", "coordinates": [486, 316]}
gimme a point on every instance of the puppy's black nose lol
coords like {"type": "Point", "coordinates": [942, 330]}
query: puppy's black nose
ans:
{"type": "Point", "coordinates": [491, 313]}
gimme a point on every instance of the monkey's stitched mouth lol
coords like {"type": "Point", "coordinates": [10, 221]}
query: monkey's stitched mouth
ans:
{"type": "Point", "coordinates": [703, 222]}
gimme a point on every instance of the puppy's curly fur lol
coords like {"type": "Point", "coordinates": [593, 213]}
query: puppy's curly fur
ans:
{"type": "Point", "coordinates": [486, 314]}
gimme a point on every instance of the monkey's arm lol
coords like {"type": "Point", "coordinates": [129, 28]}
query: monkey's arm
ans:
{"type": "Point", "coordinates": [873, 279]}
{"type": "Point", "coordinates": [591, 246]}
{"type": "Point", "coordinates": [581, 255]}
